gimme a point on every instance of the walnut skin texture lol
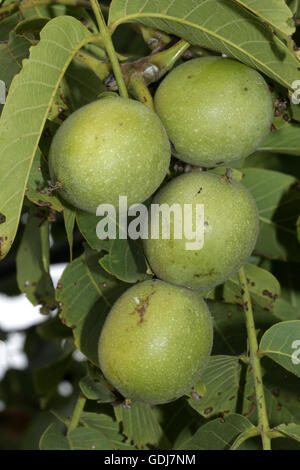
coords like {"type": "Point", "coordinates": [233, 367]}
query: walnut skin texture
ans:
{"type": "Point", "coordinates": [155, 342]}
{"type": "Point", "coordinates": [215, 110]}
{"type": "Point", "coordinates": [108, 148]}
{"type": "Point", "coordinates": [230, 231]}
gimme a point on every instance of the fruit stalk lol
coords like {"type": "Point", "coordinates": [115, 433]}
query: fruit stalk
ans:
{"type": "Point", "coordinates": [263, 422]}
{"type": "Point", "coordinates": [139, 90]}
{"type": "Point", "coordinates": [108, 44]}
{"type": "Point", "coordinates": [77, 412]}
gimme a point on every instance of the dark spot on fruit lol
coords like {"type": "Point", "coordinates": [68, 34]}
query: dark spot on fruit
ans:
{"type": "Point", "coordinates": [229, 315]}
{"type": "Point", "coordinates": [273, 128]}
{"type": "Point", "coordinates": [278, 407]}
{"type": "Point", "coordinates": [286, 117]}
{"type": "Point", "coordinates": [195, 396]}
{"type": "Point", "coordinates": [200, 189]}
{"type": "Point", "coordinates": [252, 284]}
{"type": "Point", "coordinates": [2, 218]}
{"type": "Point", "coordinates": [142, 307]}
{"type": "Point", "coordinates": [189, 76]}
{"type": "Point", "coordinates": [277, 112]}
{"type": "Point", "coordinates": [207, 411]}
{"type": "Point", "coordinates": [246, 89]}
{"type": "Point", "coordinates": [59, 286]}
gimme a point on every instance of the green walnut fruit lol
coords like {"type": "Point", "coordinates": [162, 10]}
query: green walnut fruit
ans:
{"type": "Point", "coordinates": [215, 110]}
{"type": "Point", "coordinates": [155, 342]}
{"type": "Point", "coordinates": [109, 148]}
{"type": "Point", "coordinates": [230, 229]}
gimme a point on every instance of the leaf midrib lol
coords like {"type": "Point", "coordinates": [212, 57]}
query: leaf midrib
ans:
{"type": "Point", "coordinates": [127, 18]}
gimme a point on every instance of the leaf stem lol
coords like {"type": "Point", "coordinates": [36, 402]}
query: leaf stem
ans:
{"type": "Point", "coordinates": [76, 414]}
{"type": "Point", "coordinates": [166, 59]}
{"type": "Point", "coordinates": [139, 90]}
{"type": "Point", "coordinates": [108, 44]}
{"type": "Point", "coordinates": [263, 422]}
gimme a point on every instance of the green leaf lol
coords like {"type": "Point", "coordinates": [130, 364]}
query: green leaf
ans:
{"type": "Point", "coordinates": [81, 85]}
{"type": "Point", "coordinates": [284, 310]}
{"type": "Point", "coordinates": [125, 260]}
{"type": "Point", "coordinates": [221, 377]}
{"type": "Point", "coordinates": [69, 220]}
{"type": "Point", "coordinates": [33, 261]}
{"type": "Point", "coordinates": [218, 434]}
{"type": "Point", "coordinates": [95, 390]}
{"type": "Point", "coordinates": [11, 57]}
{"type": "Point", "coordinates": [291, 430]}
{"type": "Point", "coordinates": [47, 378]}
{"type": "Point", "coordinates": [53, 439]}
{"type": "Point", "coordinates": [109, 427]}
{"type": "Point", "coordinates": [24, 115]}
{"type": "Point", "coordinates": [285, 140]}
{"type": "Point", "coordinates": [278, 198]}
{"type": "Point", "coordinates": [84, 438]}
{"type": "Point", "coordinates": [217, 25]}
{"type": "Point", "coordinates": [87, 224]}
{"type": "Point", "coordinates": [281, 393]}
{"type": "Point", "coordinates": [295, 108]}
{"type": "Point", "coordinates": [139, 424]}
{"type": "Point", "coordinates": [294, 5]}
{"type": "Point", "coordinates": [288, 275]}
{"type": "Point", "coordinates": [263, 287]}
{"type": "Point", "coordinates": [282, 344]}
{"type": "Point", "coordinates": [230, 329]}
{"type": "Point", "coordinates": [270, 161]}
{"type": "Point", "coordinates": [53, 328]}
{"type": "Point", "coordinates": [85, 294]}
{"type": "Point", "coordinates": [37, 189]}
{"type": "Point", "coordinates": [31, 25]}
{"type": "Point", "coordinates": [7, 24]}
{"type": "Point", "coordinates": [275, 12]}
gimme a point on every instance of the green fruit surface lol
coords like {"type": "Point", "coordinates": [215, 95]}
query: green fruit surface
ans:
{"type": "Point", "coordinates": [108, 148]}
{"type": "Point", "coordinates": [230, 231]}
{"type": "Point", "coordinates": [155, 342]}
{"type": "Point", "coordinates": [215, 110]}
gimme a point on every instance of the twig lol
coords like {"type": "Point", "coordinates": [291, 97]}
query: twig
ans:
{"type": "Point", "coordinates": [108, 44]}
{"type": "Point", "coordinates": [263, 422]}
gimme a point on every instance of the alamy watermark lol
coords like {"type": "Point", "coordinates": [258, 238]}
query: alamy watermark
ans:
{"type": "Point", "coordinates": [296, 353]}
{"type": "Point", "coordinates": [158, 221]}
{"type": "Point", "coordinates": [296, 94]}
{"type": "Point", "coordinates": [2, 92]}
